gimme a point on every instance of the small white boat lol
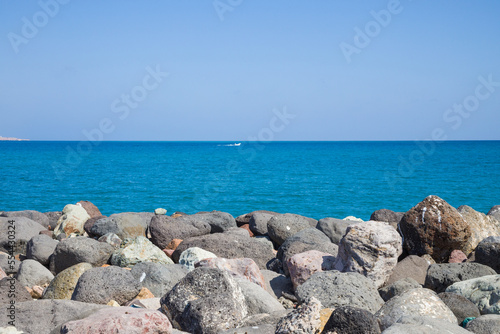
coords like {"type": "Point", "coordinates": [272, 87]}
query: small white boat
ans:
{"type": "Point", "coordinates": [237, 144]}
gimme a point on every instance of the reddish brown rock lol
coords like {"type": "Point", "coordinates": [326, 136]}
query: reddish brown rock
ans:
{"type": "Point", "coordinates": [457, 256]}
{"type": "Point", "coordinates": [91, 209]}
{"type": "Point", "coordinates": [173, 244]}
{"type": "Point", "coordinates": [121, 320]}
{"type": "Point", "coordinates": [247, 227]}
{"type": "Point", "coordinates": [243, 268]}
{"type": "Point", "coordinates": [144, 294]}
{"type": "Point", "coordinates": [169, 252]}
{"type": "Point", "coordinates": [434, 227]}
{"type": "Point", "coordinates": [301, 266]}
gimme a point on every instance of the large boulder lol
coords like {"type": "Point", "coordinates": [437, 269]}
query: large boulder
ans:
{"type": "Point", "coordinates": [33, 273]}
{"type": "Point", "coordinates": [124, 225]}
{"type": "Point", "coordinates": [436, 228]}
{"type": "Point", "coordinates": [258, 300]}
{"type": "Point", "coordinates": [219, 221]}
{"type": "Point", "coordinates": [485, 324]}
{"type": "Point", "coordinates": [421, 302]}
{"type": "Point", "coordinates": [63, 285]}
{"type": "Point", "coordinates": [371, 249]}
{"type": "Point", "coordinates": [280, 227]}
{"type": "Point", "coordinates": [352, 320]}
{"type": "Point", "coordinates": [206, 300]}
{"type": "Point", "coordinates": [72, 220]}
{"type": "Point", "coordinates": [303, 265]}
{"type": "Point", "coordinates": [481, 226]}
{"type": "Point", "coordinates": [303, 241]}
{"type": "Point", "coordinates": [40, 248]}
{"type": "Point", "coordinates": [334, 228]}
{"type": "Point", "coordinates": [244, 268]}
{"type": "Point", "coordinates": [440, 276]}
{"type": "Point", "coordinates": [411, 266]}
{"type": "Point", "coordinates": [415, 324]}
{"type": "Point", "coordinates": [334, 289]}
{"type": "Point", "coordinates": [101, 285]}
{"type": "Point", "coordinates": [164, 229]}
{"type": "Point", "coordinates": [461, 307]}
{"type": "Point", "coordinates": [121, 319]}
{"type": "Point", "coordinates": [91, 209]}
{"type": "Point", "coordinates": [482, 291]}
{"type": "Point", "coordinates": [229, 246]}
{"type": "Point", "coordinates": [72, 251]}
{"type": "Point", "coordinates": [36, 216]}
{"type": "Point", "coordinates": [15, 232]}
{"type": "Point", "coordinates": [258, 221]}
{"type": "Point", "coordinates": [138, 249]}
{"type": "Point", "coordinates": [158, 278]}
{"type": "Point", "coordinates": [488, 253]}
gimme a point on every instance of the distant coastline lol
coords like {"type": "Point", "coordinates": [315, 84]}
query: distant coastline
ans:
{"type": "Point", "coordinates": [11, 139]}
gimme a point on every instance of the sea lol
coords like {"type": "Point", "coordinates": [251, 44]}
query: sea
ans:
{"type": "Point", "coordinates": [314, 179]}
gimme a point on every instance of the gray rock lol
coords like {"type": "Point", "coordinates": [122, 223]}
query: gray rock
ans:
{"type": "Point", "coordinates": [334, 289]}
{"type": "Point", "coordinates": [495, 212]}
{"type": "Point", "coordinates": [420, 302]}
{"type": "Point", "coordinates": [20, 232]}
{"type": "Point", "coordinates": [305, 240]}
{"type": "Point", "coordinates": [264, 319]}
{"type": "Point", "coordinates": [412, 266]}
{"type": "Point", "coordinates": [111, 239]}
{"type": "Point", "coordinates": [424, 325]}
{"type": "Point", "coordinates": [90, 223]}
{"type": "Point", "coordinates": [258, 300]}
{"type": "Point", "coordinates": [229, 246]}
{"type": "Point", "coordinates": [101, 285]}
{"type": "Point", "coordinates": [53, 217]}
{"type": "Point", "coordinates": [164, 229]}
{"type": "Point", "coordinates": [440, 276]}
{"type": "Point", "coordinates": [485, 324]}
{"type": "Point", "coordinates": [351, 320]}
{"type": "Point", "coordinates": [276, 283]}
{"type": "Point", "coordinates": [303, 320]}
{"type": "Point", "coordinates": [281, 227]}
{"type": "Point", "coordinates": [33, 273]}
{"type": "Point", "coordinates": [460, 306]}
{"type": "Point", "coordinates": [218, 221]}
{"type": "Point", "coordinates": [80, 249]}
{"type": "Point", "coordinates": [482, 291]}
{"type": "Point", "coordinates": [7, 286]}
{"type": "Point", "coordinates": [158, 278]}
{"type": "Point", "coordinates": [397, 288]}
{"type": "Point", "coordinates": [258, 222]}
{"type": "Point", "coordinates": [36, 216]}
{"type": "Point", "coordinates": [260, 329]}
{"type": "Point", "coordinates": [138, 249]}
{"type": "Point", "coordinates": [8, 264]}
{"type": "Point", "coordinates": [334, 228]}
{"type": "Point", "coordinates": [124, 225]}
{"type": "Point", "coordinates": [488, 253]}
{"type": "Point", "coordinates": [40, 248]}
{"type": "Point", "coordinates": [245, 218]}
{"type": "Point", "coordinates": [192, 255]}
{"type": "Point", "coordinates": [389, 216]}
{"type": "Point", "coordinates": [481, 226]}
{"type": "Point", "coordinates": [206, 300]}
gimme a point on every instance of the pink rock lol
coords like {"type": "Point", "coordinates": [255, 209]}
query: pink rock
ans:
{"type": "Point", "coordinates": [243, 268]}
{"type": "Point", "coordinates": [169, 252]}
{"type": "Point", "coordinates": [301, 266]}
{"type": "Point", "coordinates": [2, 273]}
{"type": "Point", "coordinates": [457, 256]}
{"type": "Point", "coordinates": [121, 320]}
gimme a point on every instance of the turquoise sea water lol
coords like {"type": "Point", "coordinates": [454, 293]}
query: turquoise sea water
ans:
{"type": "Point", "coordinates": [316, 179]}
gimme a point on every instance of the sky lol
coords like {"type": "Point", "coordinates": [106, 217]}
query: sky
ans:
{"type": "Point", "coordinates": [235, 70]}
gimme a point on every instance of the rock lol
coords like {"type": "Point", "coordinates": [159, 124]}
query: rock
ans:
{"type": "Point", "coordinates": [218, 221]}
{"type": "Point", "coordinates": [160, 211]}
{"type": "Point", "coordinates": [53, 217]}
{"type": "Point", "coordinates": [9, 284]}
{"type": "Point", "coordinates": [495, 212]}
{"type": "Point", "coordinates": [303, 241]}
{"type": "Point", "coordinates": [428, 258]}
{"type": "Point", "coordinates": [482, 291]}
{"type": "Point", "coordinates": [436, 228]}
{"type": "Point", "coordinates": [138, 249]}
{"type": "Point", "coordinates": [457, 256]}
{"type": "Point", "coordinates": [206, 300]}
{"type": "Point", "coordinates": [8, 264]}
{"type": "Point", "coordinates": [229, 246]}
{"type": "Point", "coordinates": [488, 253]}
{"type": "Point", "coordinates": [121, 319]}
{"type": "Point", "coordinates": [258, 222]}
{"type": "Point", "coordinates": [276, 283]}
{"type": "Point", "coordinates": [100, 285]}
{"type": "Point", "coordinates": [22, 228]}
{"type": "Point", "coordinates": [371, 249]}
{"type": "Point", "coordinates": [111, 239]}
{"type": "Point", "coordinates": [158, 278]}
{"type": "Point", "coordinates": [389, 216]}
{"type": "Point", "coordinates": [305, 319]}
{"type": "Point", "coordinates": [45, 316]}
{"type": "Point", "coordinates": [397, 288]}
{"type": "Point", "coordinates": [63, 285]}
{"type": "Point", "coordinates": [2, 273]}
{"type": "Point", "coordinates": [352, 218]}
{"type": "Point", "coordinates": [334, 289]}
{"type": "Point", "coordinates": [239, 231]}
{"type": "Point", "coordinates": [440, 276]}
{"type": "Point", "coordinates": [246, 227]}
{"type": "Point", "coordinates": [72, 220]}
{"type": "Point", "coordinates": [9, 330]}
{"type": "Point", "coordinates": [87, 227]}
{"type": "Point", "coordinates": [412, 266]}
{"type": "Point", "coordinates": [36, 292]}
{"type": "Point", "coordinates": [352, 320]}
{"type": "Point", "coordinates": [301, 266]}
{"type": "Point", "coordinates": [421, 302]}
{"type": "Point", "coordinates": [36, 216]}
{"type": "Point", "coordinates": [424, 325]}
{"type": "Point", "coordinates": [77, 250]}
{"type": "Point", "coordinates": [481, 226]}
{"type": "Point", "coordinates": [245, 219]}
{"type": "Point", "coordinates": [192, 255]}
{"type": "Point", "coordinates": [164, 229]}
{"type": "Point", "coordinates": [485, 324]}
{"type": "Point", "coordinates": [260, 329]}
{"type": "Point", "coordinates": [334, 228]}
{"type": "Point", "coordinates": [244, 268]}
{"type": "Point", "coordinates": [174, 244]}
{"type": "Point", "coordinates": [40, 248]}
{"type": "Point", "coordinates": [124, 225]}
{"type": "Point", "coordinates": [258, 300]}
{"type": "Point", "coordinates": [281, 227]}
{"type": "Point", "coordinates": [91, 209]}
{"type": "Point", "coordinates": [32, 273]}
{"type": "Point", "coordinates": [460, 306]}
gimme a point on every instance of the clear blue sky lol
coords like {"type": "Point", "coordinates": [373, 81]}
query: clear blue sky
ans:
{"type": "Point", "coordinates": [226, 76]}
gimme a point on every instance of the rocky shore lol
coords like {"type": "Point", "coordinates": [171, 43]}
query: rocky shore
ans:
{"type": "Point", "coordinates": [432, 269]}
